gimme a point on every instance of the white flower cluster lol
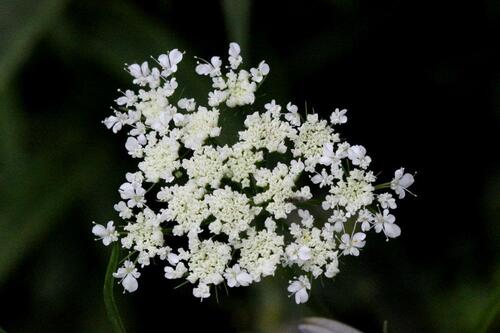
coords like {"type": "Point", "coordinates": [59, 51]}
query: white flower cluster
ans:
{"type": "Point", "coordinates": [236, 213]}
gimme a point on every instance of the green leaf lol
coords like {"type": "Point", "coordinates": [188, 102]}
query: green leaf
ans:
{"type": "Point", "coordinates": [237, 19]}
{"type": "Point", "coordinates": [109, 297]}
{"type": "Point", "coordinates": [2, 330]}
{"type": "Point", "coordinates": [22, 23]}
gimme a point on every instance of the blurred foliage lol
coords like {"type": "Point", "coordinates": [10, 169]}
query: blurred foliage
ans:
{"type": "Point", "coordinates": [422, 88]}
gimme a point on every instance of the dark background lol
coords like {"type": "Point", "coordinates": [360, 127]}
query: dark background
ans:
{"type": "Point", "coordinates": [421, 81]}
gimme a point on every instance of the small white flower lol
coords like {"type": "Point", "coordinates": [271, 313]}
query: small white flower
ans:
{"type": "Point", "coordinates": [338, 116]}
{"type": "Point", "coordinates": [202, 291]}
{"type": "Point", "coordinates": [234, 55]}
{"type": "Point", "coordinates": [259, 73]}
{"type": "Point", "coordinates": [135, 178]}
{"type": "Point", "coordinates": [139, 71]}
{"type": "Point", "coordinates": [116, 122]}
{"type": "Point", "coordinates": [323, 179]}
{"type": "Point", "coordinates": [173, 258]}
{"type": "Point", "coordinates": [332, 268]}
{"type": "Point", "coordinates": [128, 275]}
{"type": "Point", "coordinates": [357, 154]}
{"type": "Point", "coordinates": [304, 193]}
{"type": "Point", "coordinates": [216, 97]}
{"type": "Point", "coordinates": [143, 75]}
{"type": "Point", "coordinates": [236, 277]}
{"type": "Point", "coordinates": [211, 68]}
{"type": "Point", "coordinates": [107, 234]}
{"type": "Point", "coordinates": [338, 219]}
{"type": "Point", "coordinates": [385, 222]}
{"type": "Point", "coordinates": [307, 218]}
{"type": "Point", "coordinates": [139, 131]}
{"type": "Point", "coordinates": [327, 232]}
{"type": "Point", "coordinates": [133, 193]}
{"type": "Point", "coordinates": [304, 253]}
{"type": "Point", "coordinates": [179, 119]}
{"type": "Point", "coordinates": [387, 201]}
{"type": "Point", "coordinates": [170, 61]}
{"type": "Point", "coordinates": [133, 147]}
{"type": "Point", "coordinates": [352, 246]}
{"type": "Point", "coordinates": [187, 104]}
{"type": "Point", "coordinates": [128, 99]}
{"type": "Point", "coordinates": [176, 273]}
{"type": "Point", "coordinates": [292, 116]}
{"type": "Point", "coordinates": [170, 273]}
{"type": "Point", "coordinates": [401, 182]}
{"type": "Point", "coordinates": [299, 288]}
{"type": "Point", "coordinates": [123, 210]}
{"type": "Point", "coordinates": [366, 219]}
{"type": "Point", "coordinates": [270, 224]}
{"type": "Point", "coordinates": [329, 157]}
{"type": "Point", "coordinates": [273, 107]}
{"type": "Point", "coordinates": [240, 90]}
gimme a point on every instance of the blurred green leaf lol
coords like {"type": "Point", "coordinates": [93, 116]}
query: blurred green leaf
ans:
{"type": "Point", "coordinates": [2, 330]}
{"type": "Point", "coordinates": [125, 35]}
{"type": "Point", "coordinates": [22, 23]}
{"type": "Point", "coordinates": [271, 307]}
{"type": "Point", "coordinates": [109, 297]}
{"type": "Point", "coordinates": [237, 19]}
{"type": "Point", "coordinates": [11, 122]}
{"type": "Point", "coordinates": [36, 204]}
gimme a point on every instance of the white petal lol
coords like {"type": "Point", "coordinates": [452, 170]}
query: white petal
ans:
{"type": "Point", "coordinates": [145, 69]}
{"type": "Point", "coordinates": [130, 283]}
{"type": "Point", "coordinates": [135, 70]}
{"type": "Point", "coordinates": [169, 273]}
{"type": "Point", "coordinates": [99, 230]}
{"type": "Point", "coordinates": [345, 238]}
{"type": "Point", "coordinates": [359, 236]}
{"type": "Point", "coordinates": [317, 179]}
{"type": "Point", "coordinates": [203, 69]}
{"type": "Point", "coordinates": [120, 273]}
{"type": "Point", "coordinates": [244, 279]}
{"type": "Point", "coordinates": [295, 286]}
{"type": "Point", "coordinates": [301, 296]}
{"type": "Point", "coordinates": [392, 230]}
{"type": "Point", "coordinates": [231, 282]}
{"type": "Point", "coordinates": [173, 259]}
{"type": "Point", "coordinates": [132, 144]}
{"type": "Point", "coordinates": [304, 253]}
{"type": "Point", "coordinates": [264, 68]}
{"type": "Point", "coordinates": [234, 49]}
{"type": "Point", "coordinates": [406, 180]}
{"type": "Point", "coordinates": [175, 56]}
{"type": "Point", "coordinates": [122, 100]}
{"type": "Point", "coordinates": [216, 62]}
{"type": "Point", "coordinates": [354, 251]}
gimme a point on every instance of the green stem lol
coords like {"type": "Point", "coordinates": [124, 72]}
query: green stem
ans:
{"type": "Point", "coordinates": [109, 298]}
{"type": "Point", "coordinates": [384, 185]}
{"type": "Point", "coordinates": [386, 327]}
